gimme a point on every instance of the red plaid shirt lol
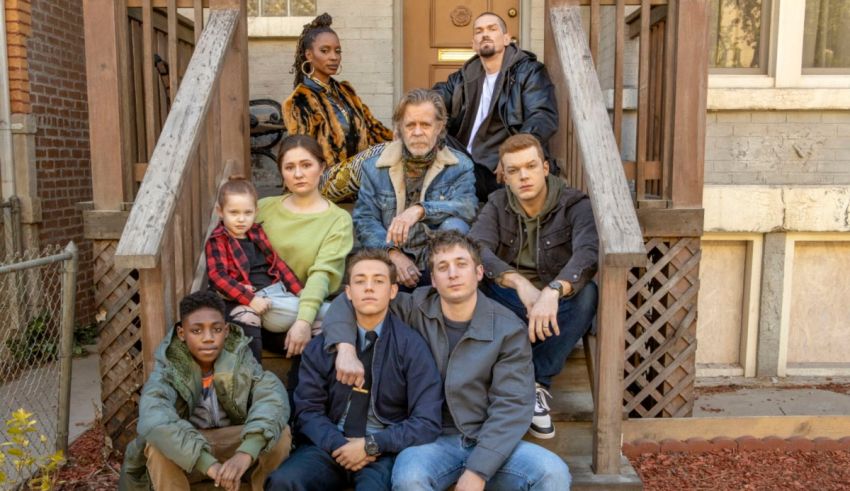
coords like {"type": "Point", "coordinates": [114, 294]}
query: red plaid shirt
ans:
{"type": "Point", "coordinates": [227, 264]}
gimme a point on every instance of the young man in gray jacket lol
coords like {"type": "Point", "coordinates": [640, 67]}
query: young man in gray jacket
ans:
{"type": "Point", "coordinates": [540, 251]}
{"type": "Point", "coordinates": [484, 358]}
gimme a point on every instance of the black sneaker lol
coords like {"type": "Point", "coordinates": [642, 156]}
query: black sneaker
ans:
{"type": "Point", "coordinates": [541, 424]}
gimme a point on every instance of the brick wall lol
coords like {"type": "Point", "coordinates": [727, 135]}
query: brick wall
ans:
{"type": "Point", "coordinates": [57, 81]}
{"type": "Point", "coordinates": [778, 147]}
{"type": "Point", "coordinates": [18, 30]}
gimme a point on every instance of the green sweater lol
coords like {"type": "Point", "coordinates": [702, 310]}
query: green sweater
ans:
{"type": "Point", "coordinates": [313, 245]}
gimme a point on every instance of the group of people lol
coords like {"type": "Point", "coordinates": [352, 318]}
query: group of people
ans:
{"type": "Point", "coordinates": [468, 285]}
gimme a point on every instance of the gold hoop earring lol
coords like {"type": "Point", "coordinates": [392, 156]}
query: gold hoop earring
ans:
{"type": "Point", "coordinates": [338, 69]}
{"type": "Point", "coordinates": [312, 69]}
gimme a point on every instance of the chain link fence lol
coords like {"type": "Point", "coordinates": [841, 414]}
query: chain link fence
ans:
{"type": "Point", "coordinates": [37, 297]}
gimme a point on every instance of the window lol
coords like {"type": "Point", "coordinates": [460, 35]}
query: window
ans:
{"type": "Point", "coordinates": [281, 8]}
{"type": "Point", "coordinates": [826, 36]}
{"type": "Point", "coordinates": [737, 37]}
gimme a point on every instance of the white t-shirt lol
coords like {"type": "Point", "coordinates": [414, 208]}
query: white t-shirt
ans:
{"type": "Point", "coordinates": [483, 107]}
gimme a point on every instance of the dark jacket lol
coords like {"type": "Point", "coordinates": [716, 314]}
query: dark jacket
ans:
{"type": "Point", "coordinates": [228, 268]}
{"type": "Point", "coordinates": [406, 391]}
{"type": "Point", "coordinates": [489, 377]}
{"type": "Point", "coordinates": [567, 248]}
{"type": "Point", "coordinates": [524, 99]}
{"type": "Point", "coordinates": [249, 395]}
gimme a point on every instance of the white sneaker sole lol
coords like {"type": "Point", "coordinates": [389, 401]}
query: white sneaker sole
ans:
{"type": "Point", "coordinates": [541, 436]}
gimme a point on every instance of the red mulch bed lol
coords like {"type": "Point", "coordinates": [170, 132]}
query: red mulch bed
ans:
{"type": "Point", "coordinates": [91, 464]}
{"type": "Point", "coordinates": [747, 470]}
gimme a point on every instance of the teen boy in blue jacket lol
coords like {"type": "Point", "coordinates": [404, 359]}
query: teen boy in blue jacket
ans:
{"type": "Point", "coordinates": [350, 436]}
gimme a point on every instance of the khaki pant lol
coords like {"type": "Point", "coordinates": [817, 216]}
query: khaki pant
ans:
{"type": "Point", "coordinates": [166, 475]}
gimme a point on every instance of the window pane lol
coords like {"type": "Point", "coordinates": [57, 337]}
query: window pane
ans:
{"type": "Point", "coordinates": [735, 30]}
{"type": "Point", "coordinates": [826, 42]}
{"type": "Point", "coordinates": [274, 8]}
{"type": "Point", "coordinates": [253, 8]}
{"type": "Point", "coordinates": [302, 7]}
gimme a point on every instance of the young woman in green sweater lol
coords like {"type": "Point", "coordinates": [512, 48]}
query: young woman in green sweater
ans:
{"type": "Point", "coordinates": [313, 234]}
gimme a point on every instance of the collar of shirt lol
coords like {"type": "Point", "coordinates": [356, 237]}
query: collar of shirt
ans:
{"type": "Point", "coordinates": [361, 333]}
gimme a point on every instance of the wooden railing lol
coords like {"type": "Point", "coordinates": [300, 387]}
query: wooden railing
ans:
{"type": "Point", "coordinates": [592, 145]}
{"type": "Point", "coordinates": [203, 140]}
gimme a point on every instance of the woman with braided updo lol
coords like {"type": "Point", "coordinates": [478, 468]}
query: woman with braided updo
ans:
{"type": "Point", "coordinates": [330, 111]}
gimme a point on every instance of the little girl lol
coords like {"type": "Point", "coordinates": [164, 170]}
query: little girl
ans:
{"type": "Point", "coordinates": [258, 287]}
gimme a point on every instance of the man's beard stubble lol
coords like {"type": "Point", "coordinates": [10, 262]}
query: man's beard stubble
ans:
{"type": "Point", "coordinates": [487, 51]}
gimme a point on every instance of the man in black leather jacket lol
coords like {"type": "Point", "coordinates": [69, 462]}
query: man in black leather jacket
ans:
{"type": "Point", "coordinates": [500, 92]}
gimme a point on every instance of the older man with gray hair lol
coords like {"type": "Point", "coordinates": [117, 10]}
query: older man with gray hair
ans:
{"type": "Point", "coordinates": [413, 186]}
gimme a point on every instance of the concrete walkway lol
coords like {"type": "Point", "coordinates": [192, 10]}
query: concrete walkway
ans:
{"type": "Point", "coordinates": [85, 393]}
{"type": "Point", "coordinates": [793, 396]}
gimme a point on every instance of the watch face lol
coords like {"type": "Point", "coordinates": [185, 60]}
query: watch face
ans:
{"type": "Point", "coordinates": [371, 447]}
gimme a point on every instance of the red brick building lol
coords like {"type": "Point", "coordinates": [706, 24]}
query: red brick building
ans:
{"type": "Point", "coordinates": [49, 125]}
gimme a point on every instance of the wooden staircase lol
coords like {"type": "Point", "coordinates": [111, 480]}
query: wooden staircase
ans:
{"type": "Point", "coordinates": [157, 167]}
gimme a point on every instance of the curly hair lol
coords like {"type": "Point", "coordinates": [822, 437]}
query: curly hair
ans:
{"type": "Point", "coordinates": [444, 240]}
{"type": "Point", "coordinates": [312, 30]}
{"type": "Point", "coordinates": [200, 300]}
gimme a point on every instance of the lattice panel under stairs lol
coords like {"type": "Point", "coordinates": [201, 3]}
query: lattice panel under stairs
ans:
{"type": "Point", "coordinates": [660, 361]}
{"type": "Point", "coordinates": [122, 374]}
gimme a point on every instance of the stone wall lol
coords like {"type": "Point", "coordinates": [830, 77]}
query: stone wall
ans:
{"type": "Point", "coordinates": [778, 147]}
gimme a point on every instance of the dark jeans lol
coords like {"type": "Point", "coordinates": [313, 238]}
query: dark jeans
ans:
{"type": "Point", "coordinates": [485, 182]}
{"type": "Point", "coordinates": [310, 468]}
{"type": "Point", "coordinates": [575, 315]}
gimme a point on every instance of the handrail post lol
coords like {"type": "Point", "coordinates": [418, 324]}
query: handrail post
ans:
{"type": "Point", "coordinates": [608, 401]}
{"type": "Point", "coordinates": [233, 93]}
{"type": "Point", "coordinates": [109, 118]}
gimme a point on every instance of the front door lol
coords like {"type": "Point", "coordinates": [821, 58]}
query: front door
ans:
{"type": "Point", "coordinates": [438, 36]}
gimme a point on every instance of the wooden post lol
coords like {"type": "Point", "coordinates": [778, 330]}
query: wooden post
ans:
{"type": "Point", "coordinates": [233, 90]}
{"type": "Point", "coordinates": [689, 24]}
{"type": "Point", "coordinates": [608, 416]}
{"type": "Point", "coordinates": [106, 74]}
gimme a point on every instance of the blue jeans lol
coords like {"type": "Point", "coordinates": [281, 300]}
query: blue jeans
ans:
{"type": "Point", "coordinates": [438, 465]}
{"type": "Point", "coordinates": [575, 314]}
{"type": "Point", "coordinates": [310, 468]}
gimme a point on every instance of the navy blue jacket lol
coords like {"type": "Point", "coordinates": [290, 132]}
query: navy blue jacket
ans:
{"type": "Point", "coordinates": [407, 392]}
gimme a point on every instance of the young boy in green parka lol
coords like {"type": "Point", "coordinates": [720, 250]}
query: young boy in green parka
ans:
{"type": "Point", "coordinates": [208, 410]}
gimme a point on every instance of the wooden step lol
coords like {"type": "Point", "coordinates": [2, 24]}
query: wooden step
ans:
{"type": "Point", "coordinates": [573, 442]}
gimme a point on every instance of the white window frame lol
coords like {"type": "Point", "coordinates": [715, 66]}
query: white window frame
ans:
{"type": "Point", "coordinates": [276, 27]}
{"type": "Point", "coordinates": [782, 86]}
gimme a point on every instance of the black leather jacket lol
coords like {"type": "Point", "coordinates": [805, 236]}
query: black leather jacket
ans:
{"type": "Point", "coordinates": [524, 103]}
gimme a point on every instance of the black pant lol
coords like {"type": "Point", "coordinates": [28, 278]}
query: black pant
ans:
{"type": "Point", "coordinates": [485, 182]}
{"type": "Point", "coordinates": [309, 468]}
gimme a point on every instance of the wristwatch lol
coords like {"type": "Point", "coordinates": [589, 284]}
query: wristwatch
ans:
{"type": "Point", "coordinates": [372, 448]}
{"type": "Point", "coordinates": [558, 286]}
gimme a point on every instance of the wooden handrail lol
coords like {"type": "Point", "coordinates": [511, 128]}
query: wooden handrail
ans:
{"type": "Point", "coordinates": [154, 206]}
{"type": "Point", "coordinates": [620, 238]}
{"type": "Point", "coordinates": [591, 141]}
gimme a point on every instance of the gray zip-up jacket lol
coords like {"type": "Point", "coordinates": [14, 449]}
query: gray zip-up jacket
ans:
{"type": "Point", "coordinates": [488, 377]}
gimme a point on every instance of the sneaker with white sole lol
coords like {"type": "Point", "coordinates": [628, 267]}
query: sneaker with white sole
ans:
{"type": "Point", "coordinates": [541, 424]}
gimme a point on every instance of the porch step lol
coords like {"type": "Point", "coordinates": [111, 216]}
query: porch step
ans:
{"type": "Point", "coordinates": [573, 442]}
